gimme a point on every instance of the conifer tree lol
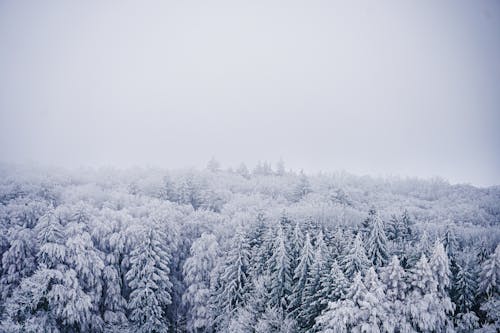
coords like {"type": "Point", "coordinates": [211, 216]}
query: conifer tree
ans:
{"type": "Point", "coordinates": [234, 278]}
{"type": "Point", "coordinates": [427, 308]}
{"type": "Point", "coordinates": [465, 287]}
{"type": "Point", "coordinates": [301, 275]}
{"type": "Point", "coordinates": [439, 265]}
{"type": "Point", "coordinates": [355, 313]}
{"type": "Point", "coordinates": [280, 272]}
{"type": "Point", "coordinates": [312, 296]}
{"type": "Point", "coordinates": [297, 244]}
{"type": "Point", "coordinates": [355, 260]}
{"type": "Point", "coordinates": [196, 272]}
{"type": "Point", "coordinates": [489, 287]}
{"type": "Point", "coordinates": [302, 188]}
{"type": "Point", "coordinates": [149, 282]}
{"type": "Point", "coordinates": [393, 278]}
{"type": "Point", "coordinates": [489, 277]}
{"type": "Point", "coordinates": [366, 225]}
{"type": "Point", "coordinates": [18, 261]}
{"type": "Point", "coordinates": [377, 243]}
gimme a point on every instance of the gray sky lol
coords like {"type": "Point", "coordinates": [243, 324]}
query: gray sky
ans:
{"type": "Point", "coordinates": [371, 87]}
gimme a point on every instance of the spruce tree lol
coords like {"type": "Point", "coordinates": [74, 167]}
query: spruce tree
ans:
{"type": "Point", "coordinates": [234, 278]}
{"type": "Point", "coordinates": [489, 287]}
{"type": "Point", "coordinates": [310, 306]}
{"type": "Point", "coordinates": [393, 278]}
{"type": "Point", "coordinates": [196, 272]}
{"type": "Point", "coordinates": [149, 281]}
{"type": "Point", "coordinates": [355, 260]}
{"type": "Point", "coordinates": [360, 311]}
{"type": "Point", "coordinates": [427, 307]}
{"type": "Point", "coordinates": [465, 287]}
{"type": "Point", "coordinates": [301, 275]}
{"type": "Point", "coordinates": [280, 272]}
{"type": "Point", "coordinates": [377, 243]}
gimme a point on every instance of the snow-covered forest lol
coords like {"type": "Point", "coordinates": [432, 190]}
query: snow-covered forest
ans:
{"type": "Point", "coordinates": [238, 250]}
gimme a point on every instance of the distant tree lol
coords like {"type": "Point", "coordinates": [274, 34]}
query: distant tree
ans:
{"type": "Point", "coordinates": [242, 170]}
{"type": "Point", "coordinates": [213, 165]}
{"type": "Point", "coordinates": [280, 168]}
{"type": "Point", "coordinates": [302, 188]}
{"type": "Point", "coordinates": [263, 169]}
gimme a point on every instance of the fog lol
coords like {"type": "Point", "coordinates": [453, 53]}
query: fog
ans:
{"type": "Point", "coordinates": [408, 88]}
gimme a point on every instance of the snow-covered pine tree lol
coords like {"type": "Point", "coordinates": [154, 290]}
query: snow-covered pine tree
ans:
{"type": "Point", "coordinates": [465, 286]}
{"type": "Point", "coordinates": [262, 248]}
{"type": "Point", "coordinates": [351, 314]}
{"type": "Point", "coordinates": [18, 261]}
{"type": "Point", "coordinates": [280, 168]}
{"type": "Point", "coordinates": [406, 227]}
{"type": "Point", "coordinates": [375, 304]}
{"type": "Point", "coordinates": [312, 296]}
{"type": "Point", "coordinates": [247, 317]}
{"type": "Point", "coordinates": [280, 272]}
{"type": "Point", "coordinates": [113, 241]}
{"type": "Point", "coordinates": [50, 237]}
{"type": "Point", "coordinates": [489, 277]}
{"type": "Point", "coordinates": [334, 285]}
{"type": "Point", "coordinates": [196, 272]}
{"type": "Point", "coordinates": [274, 320]}
{"type": "Point", "coordinates": [421, 247]}
{"type": "Point", "coordinates": [377, 242]}
{"type": "Point", "coordinates": [296, 245]}
{"type": "Point", "coordinates": [391, 228]}
{"type": "Point", "coordinates": [427, 309]}
{"type": "Point", "coordinates": [393, 278]}
{"type": "Point", "coordinates": [355, 260]}
{"type": "Point", "coordinates": [302, 188]}
{"type": "Point", "coordinates": [300, 277]}
{"type": "Point", "coordinates": [450, 242]}
{"type": "Point", "coordinates": [148, 279]}
{"type": "Point", "coordinates": [234, 279]}
{"type": "Point", "coordinates": [440, 268]}
{"type": "Point", "coordinates": [489, 287]}
{"type": "Point", "coordinates": [28, 310]}
{"type": "Point", "coordinates": [366, 225]}
{"type": "Point", "coordinates": [243, 171]}
{"type": "Point", "coordinates": [84, 270]}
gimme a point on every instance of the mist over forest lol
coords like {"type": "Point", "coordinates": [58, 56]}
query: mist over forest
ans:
{"type": "Point", "coordinates": [265, 249]}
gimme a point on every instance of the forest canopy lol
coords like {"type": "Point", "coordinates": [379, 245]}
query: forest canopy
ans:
{"type": "Point", "coordinates": [240, 250]}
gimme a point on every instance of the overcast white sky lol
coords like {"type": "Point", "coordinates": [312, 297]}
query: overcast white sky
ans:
{"type": "Point", "coordinates": [371, 87]}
